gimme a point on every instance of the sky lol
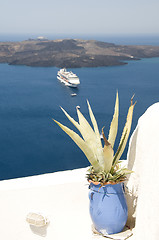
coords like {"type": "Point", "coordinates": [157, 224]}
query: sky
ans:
{"type": "Point", "coordinates": [80, 17]}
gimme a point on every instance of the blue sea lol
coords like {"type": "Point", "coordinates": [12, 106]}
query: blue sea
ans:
{"type": "Point", "coordinates": [30, 97]}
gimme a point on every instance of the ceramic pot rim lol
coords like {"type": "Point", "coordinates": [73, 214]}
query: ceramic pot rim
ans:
{"type": "Point", "coordinates": [106, 183]}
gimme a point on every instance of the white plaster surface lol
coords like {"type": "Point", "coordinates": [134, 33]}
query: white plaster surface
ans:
{"type": "Point", "coordinates": [62, 197]}
{"type": "Point", "coordinates": [143, 184]}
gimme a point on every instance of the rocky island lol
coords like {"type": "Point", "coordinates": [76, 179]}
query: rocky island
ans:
{"type": "Point", "coordinates": [72, 53]}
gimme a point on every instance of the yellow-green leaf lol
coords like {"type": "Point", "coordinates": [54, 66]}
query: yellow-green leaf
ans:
{"type": "Point", "coordinates": [108, 157]}
{"type": "Point", "coordinates": [108, 154]}
{"type": "Point", "coordinates": [96, 130]}
{"type": "Point", "coordinates": [82, 145]}
{"type": "Point", "coordinates": [90, 137]}
{"type": "Point", "coordinates": [114, 124]}
{"type": "Point", "coordinates": [94, 122]}
{"type": "Point", "coordinates": [126, 131]}
{"type": "Point", "coordinates": [71, 120]}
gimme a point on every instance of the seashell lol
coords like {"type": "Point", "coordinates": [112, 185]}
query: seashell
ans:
{"type": "Point", "coordinates": [36, 219]}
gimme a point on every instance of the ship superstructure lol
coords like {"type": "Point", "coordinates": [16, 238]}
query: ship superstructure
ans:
{"type": "Point", "coordinates": [68, 78]}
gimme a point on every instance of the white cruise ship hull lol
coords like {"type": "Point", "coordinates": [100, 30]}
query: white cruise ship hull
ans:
{"type": "Point", "coordinates": [68, 78]}
{"type": "Point", "coordinates": [66, 83]}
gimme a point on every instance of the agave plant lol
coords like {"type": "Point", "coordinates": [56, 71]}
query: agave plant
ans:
{"type": "Point", "coordinates": [105, 165]}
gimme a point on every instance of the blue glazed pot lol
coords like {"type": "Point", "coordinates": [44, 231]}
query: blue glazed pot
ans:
{"type": "Point", "coordinates": [108, 208]}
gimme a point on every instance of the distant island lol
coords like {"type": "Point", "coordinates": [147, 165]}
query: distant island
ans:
{"type": "Point", "coordinates": [72, 53]}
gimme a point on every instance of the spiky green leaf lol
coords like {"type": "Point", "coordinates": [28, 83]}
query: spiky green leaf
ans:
{"type": "Point", "coordinates": [94, 122]}
{"type": "Point", "coordinates": [82, 145]}
{"type": "Point", "coordinates": [90, 137]}
{"type": "Point", "coordinates": [108, 154]}
{"type": "Point", "coordinates": [108, 158]}
{"type": "Point", "coordinates": [114, 124]}
{"type": "Point", "coordinates": [71, 119]}
{"type": "Point", "coordinates": [125, 133]}
{"type": "Point", "coordinates": [96, 130]}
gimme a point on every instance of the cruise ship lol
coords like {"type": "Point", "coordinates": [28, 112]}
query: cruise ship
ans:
{"type": "Point", "coordinates": [68, 78]}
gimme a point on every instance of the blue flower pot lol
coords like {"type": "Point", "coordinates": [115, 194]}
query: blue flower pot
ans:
{"type": "Point", "coordinates": [108, 208]}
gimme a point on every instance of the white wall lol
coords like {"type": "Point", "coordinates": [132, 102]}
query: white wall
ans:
{"type": "Point", "coordinates": [143, 159]}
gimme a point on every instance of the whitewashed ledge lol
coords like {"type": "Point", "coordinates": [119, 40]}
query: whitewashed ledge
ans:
{"type": "Point", "coordinates": [62, 197]}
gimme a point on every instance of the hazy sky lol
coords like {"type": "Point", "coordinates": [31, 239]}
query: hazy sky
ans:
{"type": "Point", "coordinates": [79, 17]}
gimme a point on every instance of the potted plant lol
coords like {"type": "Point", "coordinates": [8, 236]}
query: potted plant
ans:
{"type": "Point", "coordinates": [108, 208]}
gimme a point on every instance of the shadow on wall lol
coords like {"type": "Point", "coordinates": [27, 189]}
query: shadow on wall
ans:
{"type": "Point", "coordinates": [130, 189]}
{"type": "Point", "coordinates": [41, 231]}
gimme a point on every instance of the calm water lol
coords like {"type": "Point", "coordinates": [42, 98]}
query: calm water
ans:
{"type": "Point", "coordinates": [31, 143]}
